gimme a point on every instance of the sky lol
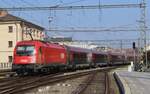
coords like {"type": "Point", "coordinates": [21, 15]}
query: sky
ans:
{"type": "Point", "coordinates": [83, 19]}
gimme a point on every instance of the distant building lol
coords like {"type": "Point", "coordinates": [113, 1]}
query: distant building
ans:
{"type": "Point", "coordinates": [14, 29]}
{"type": "Point", "coordinates": [60, 39]}
{"type": "Point", "coordinates": [103, 48]}
{"type": "Point", "coordinates": [70, 42]}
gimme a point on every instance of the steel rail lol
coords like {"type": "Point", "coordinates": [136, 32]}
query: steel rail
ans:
{"type": "Point", "coordinates": [28, 85]}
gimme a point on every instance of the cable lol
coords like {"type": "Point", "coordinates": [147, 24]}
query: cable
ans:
{"type": "Point", "coordinates": [61, 1]}
{"type": "Point", "coordinates": [100, 12]}
{"type": "Point", "coordinates": [27, 3]}
{"type": "Point", "coordinates": [72, 2]}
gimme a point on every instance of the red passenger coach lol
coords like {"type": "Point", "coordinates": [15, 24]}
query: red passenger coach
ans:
{"type": "Point", "coordinates": [34, 56]}
{"type": "Point", "coordinates": [79, 57]}
{"type": "Point", "coordinates": [100, 58]}
{"type": "Point", "coordinates": [116, 58]}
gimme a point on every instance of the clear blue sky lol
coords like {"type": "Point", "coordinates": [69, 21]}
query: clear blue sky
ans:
{"type": "Point", "coordinates": [107, 18]}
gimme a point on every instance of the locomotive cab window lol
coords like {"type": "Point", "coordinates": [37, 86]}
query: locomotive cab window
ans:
{"type": "Point", "coordinates": [25, 50]}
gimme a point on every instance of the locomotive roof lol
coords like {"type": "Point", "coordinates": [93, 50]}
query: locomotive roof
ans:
{"type": "Point", "coordinates": [26, 42]}
{"type": "Point", "coordinates": [33, 42]}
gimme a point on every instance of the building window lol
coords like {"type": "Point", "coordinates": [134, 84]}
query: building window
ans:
{"type": "Point", "coordinates": [34, 32]}
{"type": "Point", "coordinates": [10, 44]}
{"type": "Point", "coordinates": [37, 33]}
{"type": "Point", "coordinates": [10, 29]}
{"type": "Point", "coordinates": [10, 58]}
{"type": "Point", "coordinates": [40, 35]}
{"type": "Point", "coordinates": [26, 32]}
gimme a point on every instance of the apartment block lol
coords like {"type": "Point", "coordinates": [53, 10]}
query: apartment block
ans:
{"type": "Point", "coordinates": [14, 29]}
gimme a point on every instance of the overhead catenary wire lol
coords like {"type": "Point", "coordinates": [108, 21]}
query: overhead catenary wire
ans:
{"type": "Point", "coordinates": [94, 30]}
{"type": "Point", "coordinates": [99, 7]}
{"type": "Point", "coordinates": [69, 3]}
{"type": "Point", "coordinates": [100, 12]}
{"type": "Point", "coordinates": [57, 7]}
{"type": "Point", "coordinates": [27, 3]}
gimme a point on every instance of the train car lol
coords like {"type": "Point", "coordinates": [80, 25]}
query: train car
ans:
{"type": "Point", "coordinates": [129, 59]}
{"type": "Point", "coordinates": [116, 58]}
{"type": "Point", "coordinates": [100, 58]}
{"type": "Point", "coordinates": [79, 57]}
{"type": "Point", "coordinates": [35, 56]}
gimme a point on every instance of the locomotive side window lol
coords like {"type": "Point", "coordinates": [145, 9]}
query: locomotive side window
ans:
{"type": "Point", "coordinates": [25, 50]}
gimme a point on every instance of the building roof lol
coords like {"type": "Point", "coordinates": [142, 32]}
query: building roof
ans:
{"type": "Point", "coordinates": [8, 17]}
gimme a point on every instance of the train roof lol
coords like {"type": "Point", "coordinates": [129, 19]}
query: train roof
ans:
{"type": "Point", "coordinates": [77, 49]}
{"type": "Point", "coordinates": [27, 42]}
{"type": "Point", "coordinates": [99, 52]}
{"type": "Point", "coordinates": [116, 53]}
{"type": "Point", "coordinates": [45, 43]}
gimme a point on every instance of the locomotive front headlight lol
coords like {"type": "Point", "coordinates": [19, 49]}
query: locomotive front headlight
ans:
{"type": "Point", "coordinates": [34, 52]}
{"type": "Point", "coordinates": [32, 59]}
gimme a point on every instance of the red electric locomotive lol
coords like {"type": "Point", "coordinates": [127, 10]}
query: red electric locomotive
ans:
{"type": "Point", "coordinates": [34, 56]}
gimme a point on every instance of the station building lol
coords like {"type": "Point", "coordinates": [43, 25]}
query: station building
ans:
{"type": "Point", "coordinates": [12, 30]}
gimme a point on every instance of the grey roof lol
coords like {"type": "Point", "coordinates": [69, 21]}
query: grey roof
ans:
{"type": "Point", "coordinates": [10, 17]}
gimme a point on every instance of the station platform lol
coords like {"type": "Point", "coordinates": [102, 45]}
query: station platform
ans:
{"type": "Point", "coordinates": [134, 82]}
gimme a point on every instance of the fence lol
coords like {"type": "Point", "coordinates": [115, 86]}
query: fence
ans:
{"type": "Point", "coordinates": [5, 65]}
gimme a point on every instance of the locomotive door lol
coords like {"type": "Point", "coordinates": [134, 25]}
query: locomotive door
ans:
{"type": "Point", "coordinates": [68, 55]}
{"type": "Point", "coordinates": [40, 55]}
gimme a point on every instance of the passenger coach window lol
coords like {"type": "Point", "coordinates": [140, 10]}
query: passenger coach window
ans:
{"type": "Point", "coordinates": [25, 50]}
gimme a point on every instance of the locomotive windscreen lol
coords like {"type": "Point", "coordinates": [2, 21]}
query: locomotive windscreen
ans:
{"type": "Point", "coordinates": [25, 50]}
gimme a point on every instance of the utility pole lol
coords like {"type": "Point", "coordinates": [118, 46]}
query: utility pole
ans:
{"type": "Point", "coordinates": [143, 30]}
{"type": "Point", "coordinates": [49, 21]}
{"type": "Point", "coordinates": [121, 45]}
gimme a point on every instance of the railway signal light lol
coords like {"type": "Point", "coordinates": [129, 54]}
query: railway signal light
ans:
{"type": "Point", "coordinates": [133, 45]}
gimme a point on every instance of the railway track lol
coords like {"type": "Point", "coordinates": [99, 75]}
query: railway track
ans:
{"type": "Point", "coordinates": [4, 74]}
{"type": "Point", "coordinates": [96, 83]}
{"type": "Point", "coordinates": [9, 85]}
{"type": "Point", "coordinates": [28, 83]}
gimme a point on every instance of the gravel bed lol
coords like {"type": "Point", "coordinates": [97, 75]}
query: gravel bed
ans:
{"type": "Point", "coordinates": [66, 87]}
